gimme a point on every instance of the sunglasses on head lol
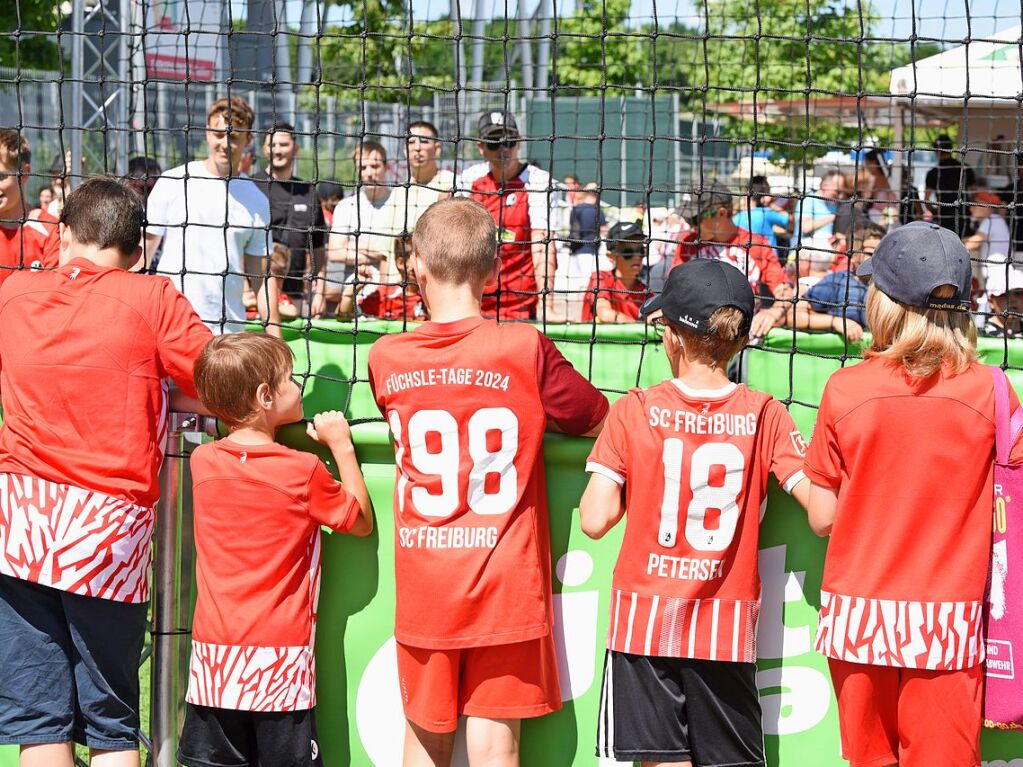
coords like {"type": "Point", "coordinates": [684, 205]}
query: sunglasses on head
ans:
{"type": "Point", "coordinates": [508, 143]}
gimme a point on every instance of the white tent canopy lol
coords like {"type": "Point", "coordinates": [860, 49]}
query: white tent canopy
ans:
{"type": "Point", "coordinates": [980, 73]}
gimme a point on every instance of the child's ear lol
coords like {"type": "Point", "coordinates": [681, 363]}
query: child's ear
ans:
{"type": "Point", "coordinates": [264, 396]}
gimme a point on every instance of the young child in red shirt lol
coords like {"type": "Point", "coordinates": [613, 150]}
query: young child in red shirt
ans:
{"type": "Point", "coordinates": [24, 242]}
{"type": "Point", "coordinates": [468, 401]}
{"type": "Point", "coordinates": [686, 463]}
{"type": "Point", "coordinates": [252, 685]}
{"type": "Point", "coordinates": [617, 295]}
{"type": "Point", "coordinates": [901, 465]}
{"type": "Point", "coordinates": [400, 301]}
{"type": "Point", "coordinates": [86, 351]}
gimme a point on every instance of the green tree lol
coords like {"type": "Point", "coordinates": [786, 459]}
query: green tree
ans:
{"type": "Point", "coordinates": [595, 50]}
{"type": "Point", "coordinates": [25, 31]}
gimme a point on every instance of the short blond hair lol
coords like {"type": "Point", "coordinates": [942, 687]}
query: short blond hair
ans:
{"type": "Point", "coordinates": [920, 340]}
{"type": "Point", "coordinates": [14, 149]}
{"type": "Point", "coordinates": [457, 241]}
{"type": "Point", "coordinates": [231, 368]}
{"type": "Point", "coordinates": [725, 337]}
{"type": "Point", "coordinates": [237, 113]}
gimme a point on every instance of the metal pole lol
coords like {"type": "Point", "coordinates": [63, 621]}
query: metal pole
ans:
{"type": "Point", "coordinates": [526, 48]}
{"type": "Point", "coordinates": [166, 690]}
{"type": "Point", "coordinates": [77, 91]}
{"type": "Point", "coordinates": [543, 53]}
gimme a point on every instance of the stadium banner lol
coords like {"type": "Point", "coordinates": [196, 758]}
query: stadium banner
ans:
{"type": "Point", "coordinates": [359, 710]}
{"type": "Point", "coordinates": [173, 55]}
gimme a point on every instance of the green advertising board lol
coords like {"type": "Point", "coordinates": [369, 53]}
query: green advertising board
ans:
{"type": "Point", "coordinates": [359, 712]}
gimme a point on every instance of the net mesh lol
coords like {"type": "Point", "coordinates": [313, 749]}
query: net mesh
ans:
{"type": "Point", "coordinates": [814, 118]}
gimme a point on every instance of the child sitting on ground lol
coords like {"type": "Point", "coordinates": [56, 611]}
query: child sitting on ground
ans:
{"type": "Point", "coordinates": [252, 684]}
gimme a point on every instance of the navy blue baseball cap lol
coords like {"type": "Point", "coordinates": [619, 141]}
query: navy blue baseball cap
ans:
{"type": "Point", "coordinates": [913, 261]}
{"type": "Point", "coordinates": [698, 288]}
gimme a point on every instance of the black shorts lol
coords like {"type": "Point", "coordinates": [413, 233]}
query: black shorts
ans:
{"type": "Point", "coordinates": [680, 710]}
{"type": "Point", "coordinates": [221, 737]}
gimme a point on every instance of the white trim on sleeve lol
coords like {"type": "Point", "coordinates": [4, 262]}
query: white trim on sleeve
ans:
{"type": "Point", "coordinates": [592, 467]}
{"type": "Point", "coordinates": [792, 481]}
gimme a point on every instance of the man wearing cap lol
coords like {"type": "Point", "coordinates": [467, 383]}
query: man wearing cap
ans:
{"type": "Point", "coordinates": [521, 198]}
{"type": "Point", "coordinates": [715, 236]}
{"type": "Point", "coordinates": [616, 296]}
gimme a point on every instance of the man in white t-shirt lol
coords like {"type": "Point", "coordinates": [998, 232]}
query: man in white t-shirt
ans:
{"type": "Point", "coordinates": [214, 226]}
{"type": "Point", "coordinates": [427, 182]}
{"type": "Point", "coordinates": [365, 225]}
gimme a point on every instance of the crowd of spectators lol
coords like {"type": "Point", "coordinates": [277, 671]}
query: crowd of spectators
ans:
{"type": "Point", "coordinates": [244, 237]}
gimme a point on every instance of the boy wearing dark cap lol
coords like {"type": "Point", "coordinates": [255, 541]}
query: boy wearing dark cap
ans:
{"type": "Point", "coordinates": [617, 295]}
{"type": "Point", "coordinates": [692, 455]}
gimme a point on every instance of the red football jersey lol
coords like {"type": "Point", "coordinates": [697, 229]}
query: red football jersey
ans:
{"type": "Point", "coordinates": [908, 555]}
{"type": "Point", "coordinates": [750, 253]}
{"type": "Point", "coordinates": [468, 403]}
{"type": "Point", "coordinates": [694, 464]}
{"type": "Point", "coordinates": [33, 245]}
{"type": "Point", "coordinates": [520, 206]}
{"type": "Point", "coordinates": [393, 302]}
{"type": "Point", "coordinates": [255, 610]}
{"type": "Point", "coordinates": [609, 287]}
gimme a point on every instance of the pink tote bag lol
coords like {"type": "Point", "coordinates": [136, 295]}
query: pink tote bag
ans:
{"type": "Point", "coordinates": [1003, 692]}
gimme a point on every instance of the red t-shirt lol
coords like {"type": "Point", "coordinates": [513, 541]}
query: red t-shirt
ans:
{"type": "Point", "coordinates": [393, 302]}
{"type": "Point", "coordinates": [609, 287]}
{"type": "Point", "coordinates": [85, 352]}
{"type": "Point", "coordinates": [908, 556]}
{"type": "Point", "coordinates": [694, 465]}
{"type": "Point", "coordinates": [468, 403]}
{"type": "Point", "coordinates": [750, 253]}
{"type": "Point", "coordinates": [520, 206]}
{"type": "Point", "coordinates": [257, 586]}
{"type": "Point", "coordinates": [33, 245]}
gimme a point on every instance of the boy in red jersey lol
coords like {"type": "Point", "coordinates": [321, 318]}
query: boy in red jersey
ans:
{"type": "Point", "coordinates": [909, 517]}
{"type": "Point", "coordinates": [252, 684]}
{"type": "Point", "coordinates": [617, 295]}
{"type": "Point", "coordinates": [693, 455]}
{"type": "Point", "coordinates": [390, 301]}
{"type": "Point", "coordinates": [85, 353]}
{"type": "Point", "coordinates": [24, 243]}
{"type": "Point", "coordinates": [468, 401]}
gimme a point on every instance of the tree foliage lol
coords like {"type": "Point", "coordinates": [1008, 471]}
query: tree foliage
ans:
{"type": "Point", "coordinates": [24, 34]}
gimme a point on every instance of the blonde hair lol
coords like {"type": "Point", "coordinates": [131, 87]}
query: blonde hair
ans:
{"type": "Point", "coordinates": [457, 241]}
{"type": "Point", "coordinates": [723, 341]}
{"type": "Point", "coordinates": [230, 369]}
{"type": "Point", "coordinates": [237, 114]}
{"type": "Point", "coordinates": [920, 340]}
{"type": "Point", "coordinates": [14, 150]}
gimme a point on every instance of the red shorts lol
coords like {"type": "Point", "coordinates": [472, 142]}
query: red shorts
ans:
{"type": "Point", "coordinates": [509, 681]}
{"type": "Point", "coordinates": [908, 717]}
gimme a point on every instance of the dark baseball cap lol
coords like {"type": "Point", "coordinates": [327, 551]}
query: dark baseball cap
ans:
{"type": "Point", "coordinates": [698, 201]}
{"type": "Point", "coordinates": [497, 124]}
{"type": "Point", "coordinates": [624, 230]}
{"type": "Point", "coordinates": [913, 261]}
{"type": "Point", "coordinates": [698, 288]}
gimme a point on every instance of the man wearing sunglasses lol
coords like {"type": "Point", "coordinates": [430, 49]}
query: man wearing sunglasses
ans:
{"type": "Point", "coordinates": [521, 198]}
{"type": "Point", "coordinates": [714, 235]}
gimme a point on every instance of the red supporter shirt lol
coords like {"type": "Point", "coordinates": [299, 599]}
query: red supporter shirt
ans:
{"type": "Point", "coordinates": [258, 584]}
{"type": "Point", "coordinates": [468, 403]}
{"type": "Point", "coordinates": [908, 556]}
{"type": "Point", "coordinates": [393, 302]}
{"type": "Point", "coordinates": [750, 253]}
{"type": "Point", "coordinates": [694, 465]}
{"type": "Point", "coordinates": [33, 245]}
{"type": "Point", "coordinates": [85, 352]}
{"type": "Point", "coordinates": [608, 286]}
{"type": "Point", "coordinates": [520, 206]}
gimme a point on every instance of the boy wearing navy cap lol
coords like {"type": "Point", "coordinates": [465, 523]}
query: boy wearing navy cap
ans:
{"type": "Point", "coordinates": [692, 455]}
{"type": "Point", "coordinates": [618, 294]}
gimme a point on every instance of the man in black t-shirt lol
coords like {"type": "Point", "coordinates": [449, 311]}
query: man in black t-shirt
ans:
{"type": "Point", "coordinates": [948, 184]}
{"type": "Point", "coordinates": [296, 217]}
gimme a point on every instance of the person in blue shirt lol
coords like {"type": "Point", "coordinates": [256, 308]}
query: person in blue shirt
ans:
{"type": "Point", "coordinates": [762, 216]}
{"type": "Point", "coordinates": [817, 213]}
{"type": "Point", "coordinates": [838, 302]}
